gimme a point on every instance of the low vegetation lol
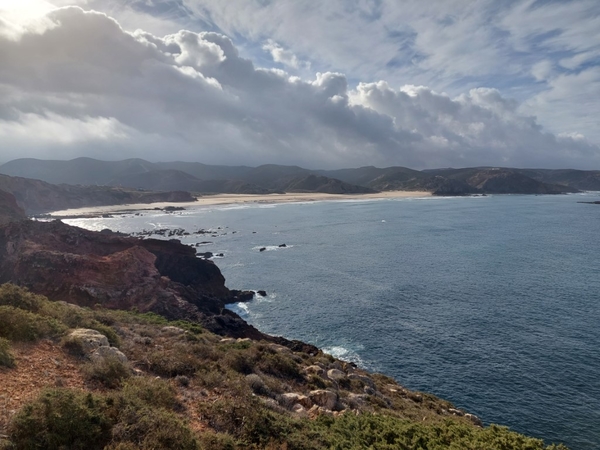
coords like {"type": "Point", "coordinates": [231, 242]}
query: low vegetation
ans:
{"type": "Point", "coordinates": [183, 387]}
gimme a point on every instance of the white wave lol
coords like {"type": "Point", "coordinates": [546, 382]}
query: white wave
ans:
{"type": "Point", "coordinates": [270, 297]}
{"type": "Point", "coordinates": [345, 354]}
{"type": "Point", "coordinates": [241, 309]}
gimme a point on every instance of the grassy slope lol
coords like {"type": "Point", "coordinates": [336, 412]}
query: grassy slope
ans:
{"type": "Point", "coordinates": [186, 388]}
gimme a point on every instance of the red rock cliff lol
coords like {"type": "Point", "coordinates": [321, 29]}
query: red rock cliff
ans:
{"type": "Point", "coordinates": [116, 271]}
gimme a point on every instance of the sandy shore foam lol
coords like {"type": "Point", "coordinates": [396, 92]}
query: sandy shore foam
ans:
{"type": "Point", "coordinates": [233, 199]}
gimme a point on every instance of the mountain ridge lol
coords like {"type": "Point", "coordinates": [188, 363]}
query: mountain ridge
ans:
{"type": "Point", "coordinates": [271, 178]}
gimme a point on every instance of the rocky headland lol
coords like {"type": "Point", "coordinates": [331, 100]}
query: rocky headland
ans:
{"type": "Point", "coordinates": [115, 342]}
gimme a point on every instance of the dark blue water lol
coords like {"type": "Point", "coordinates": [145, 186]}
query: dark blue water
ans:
{"type": "Point", "coordinates": [492, 303]}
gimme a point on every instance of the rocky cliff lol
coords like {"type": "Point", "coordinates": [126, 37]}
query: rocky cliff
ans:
{"type": "Point", "coordinates": [10, 211]}
{"type": "Point", "coordinates": [119, 272]}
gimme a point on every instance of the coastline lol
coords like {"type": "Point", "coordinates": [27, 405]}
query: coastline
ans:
{"type": "Point", "coordinates": [234, 199]}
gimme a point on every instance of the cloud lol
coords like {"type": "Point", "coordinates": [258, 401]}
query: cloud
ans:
{"type": "Point", "coordinates": [85, 86]}
{"type": "Point", "coordinates": [283, 56]}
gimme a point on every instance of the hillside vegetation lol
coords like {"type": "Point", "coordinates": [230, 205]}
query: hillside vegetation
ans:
{"type": "Point", "coordinates": [90, 378]}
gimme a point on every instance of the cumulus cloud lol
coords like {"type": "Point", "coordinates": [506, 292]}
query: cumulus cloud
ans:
{"type": "Point", "coordinates": [284, 56]}
{"type": "Point", "coordinates": [84, 86]}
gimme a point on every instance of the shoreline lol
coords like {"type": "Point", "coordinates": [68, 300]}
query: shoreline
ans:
{"type": "Point", "coordinates": [232, 199]}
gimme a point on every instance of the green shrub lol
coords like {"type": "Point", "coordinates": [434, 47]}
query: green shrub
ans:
{"type": "Point", "coordinates": [6, 357]}
{"type": "Point", "coordinates": [61, 419]}
{"type": "Point", "coordinates": [279, 365]}
{"type": "Point", "coordinates": [20, 325]}
{"type": "Point", "coordinates": [150, 429]}
{"type": "Point", "coordinates": [153, 392]}
{"type": "Point", "coordinates": [109, 370]}
{"type": "Point", "coordinates": [176, 360]}
{"type": "Point", "coordinates": [217, 441]}
{"type": "Point", "coordinates": [18, 297]}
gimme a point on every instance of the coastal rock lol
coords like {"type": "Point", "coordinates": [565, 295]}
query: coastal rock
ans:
{"type": "Point", "coordinates": [262, 293]}
{"type": "Point", "coordinates": [288, 400]}
{"type": "Point", "coordinates": [357, 400]}
{"type": "Point", "coordinates": [323, 398]}
{"type": "Point", "coordinates": [364, 379]}
{"type": "Point", "coordinates": [120, 272]}
{"type": "Point", "coordinates": [262, 249]}
{"type": "Point", "coordinates": [335, 375]}
{"type": "Point", "coordinates": [474, 419]}
{"type": "Point", "coordinates": [314, 370]}
{"type": "Point", "coordinates": [240, 296]}
{"type": "Point", "coordinates": [456, 412]}
{"type": "Point", "coordinates": [300, 411]}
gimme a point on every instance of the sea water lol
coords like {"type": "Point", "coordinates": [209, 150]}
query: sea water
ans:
{"type": "Point", "coordinates": [490, 302]}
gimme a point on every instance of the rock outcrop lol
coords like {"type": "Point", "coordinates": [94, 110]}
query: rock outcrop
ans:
{"type": "Point", "coordinates": [118, 272]}
{"type": "Point", "coordinates": [10, 211]}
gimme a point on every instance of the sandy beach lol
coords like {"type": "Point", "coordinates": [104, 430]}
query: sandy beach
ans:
{"type": "Point", "coordinates": [230, 199]}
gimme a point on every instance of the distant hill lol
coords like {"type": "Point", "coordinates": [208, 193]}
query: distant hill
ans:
{"type": "Point", "coordinates": [501, 181]}
{"type": "Point", "coordinates": [270, 178]}
{"type": "Point", "coordinates": [585, 180]}
{"type": "Point", "coordinates": [36, 196]}
{"type": "Point", "coordinates": [168, 176]}
{"type": "Point", "coordinates": [374, 177]}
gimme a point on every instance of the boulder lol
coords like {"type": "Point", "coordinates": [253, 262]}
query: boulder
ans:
{"type": "Point", "coordinates": [108, 352]}
{"type": "Point", "coordinates": [290, 399]}
{"type": "Point", "coordinates": [456, 412]}
{"type": "Point", "coordinates": [474, 419]}
{"type": "Point", "coordinates": [300, 411]}
{"type": "Point", "coordinates": [335, 374]}
{"type": "Point", "coordinates": [87, 340]}
{"type": "Point", "coordinates": [355, 401]}
{"type": "Point", "coordinates": [323, 398]}
{"type": "Point", "coordinates": [365, 380]}
{"type": "Point", "coordinates": [172, 330]}
{"type": "Point", "coordinates": [314, 370]}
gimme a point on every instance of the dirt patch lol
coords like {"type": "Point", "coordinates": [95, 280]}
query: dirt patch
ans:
{"type": "Point", "coordinates": [38, 366]}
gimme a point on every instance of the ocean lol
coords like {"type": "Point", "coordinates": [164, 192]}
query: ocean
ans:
{"type": "Point", "coordinates": [490, 302]}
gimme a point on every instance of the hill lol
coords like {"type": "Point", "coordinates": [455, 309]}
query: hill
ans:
{"type": "Point", "coordinates": [177, 176]}
{"type": "Point", "coordinates": [269, 178]}
{"type": "Point", "coordinates": [36, 196]}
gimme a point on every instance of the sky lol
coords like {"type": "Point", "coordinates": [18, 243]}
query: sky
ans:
{"type": "Point", "coordinates": [335, 84]}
